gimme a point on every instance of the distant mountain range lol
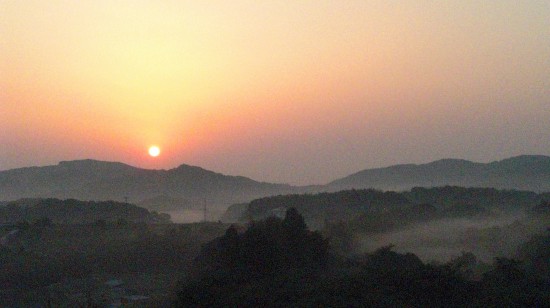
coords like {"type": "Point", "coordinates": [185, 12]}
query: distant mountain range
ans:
{"type": "Point", "coordinates": [527, 172]}
{"type": "Point", "coordinates": [99, 180]}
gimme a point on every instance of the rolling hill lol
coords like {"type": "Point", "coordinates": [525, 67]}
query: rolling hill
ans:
{"type": "Point", "coordinates": [527, 172]}
{"type": "Point", "coordinates": [99, 180]}
{"type": "Point", "coordinates": [189, 186]}
{"type": "Point", "coordinates": [72, 211]}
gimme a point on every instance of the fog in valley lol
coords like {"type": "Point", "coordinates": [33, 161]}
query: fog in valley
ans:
{"type": "Point", "coordinates": [195, 215]}
{"type": "Point", "coordinates": [358, 153]}
{"type": "Point", "coordinates": [444, 239]}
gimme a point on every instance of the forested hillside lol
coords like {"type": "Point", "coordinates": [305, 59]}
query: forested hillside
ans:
{"type": "Point", "coordinates": [440, 202]}
{"type": "Point", "coordinates": [279, 262]}
{"type": "Point", "coordinates": [72, 211]}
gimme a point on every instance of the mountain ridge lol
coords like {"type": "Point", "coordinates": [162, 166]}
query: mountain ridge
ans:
{"type": "Point", "coordinates": [524, 172]}
{"type": "Point", "coordinates": [90, 179]}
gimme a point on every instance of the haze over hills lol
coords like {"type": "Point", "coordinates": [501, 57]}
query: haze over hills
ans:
{"type": "Point", "coordinates": [526, 172]}
{"type": "Point", "coordinates": [99, 180]}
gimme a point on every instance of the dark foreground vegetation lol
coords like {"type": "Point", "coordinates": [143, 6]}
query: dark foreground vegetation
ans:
{"type": "Point", "coordinates": [452, 247]}
{"type": "Point", "coordinates": [279, 263]}
{"type": "Point", "coordinates": [73, 211]}
{"type": "Point", "coordinates": [434, 223]}
{"type": "Point", "coordinates": [96, 264]}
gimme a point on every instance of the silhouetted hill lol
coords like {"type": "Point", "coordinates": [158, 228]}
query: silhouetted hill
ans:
{"type": "Point", "coordinates": [189, 186]}
{"type": "Point", "coordinates": [99, 180]}
{"type": "Point", "coordinates": [527, 172]}
{"type": "Point", "coordinates": [75, 212]}
{"type": "Point", "coordinates": [452, 198]}
{"type": "Point", "coordinates": [389, 208]}
{"type": "Point", "coordinates": [318, 208]}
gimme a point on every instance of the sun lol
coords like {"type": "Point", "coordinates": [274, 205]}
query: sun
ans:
{"type": "Point", "coordinates": [154, 151]}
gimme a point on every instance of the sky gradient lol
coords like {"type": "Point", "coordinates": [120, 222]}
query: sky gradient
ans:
{"type": "Point", "coordinates": [301, 92]}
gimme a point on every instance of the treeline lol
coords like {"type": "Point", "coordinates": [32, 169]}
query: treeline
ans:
{"type": "Point", "coordinates": [418, 203]}
{"type": "Point", "coordinates": [280, 263]}
{"type": "Point", "coordinates": [487, 198]}
{"type": "Point", "coordinates": [320, 208]}
{"type": "Point", "coordinates": [73, 211]}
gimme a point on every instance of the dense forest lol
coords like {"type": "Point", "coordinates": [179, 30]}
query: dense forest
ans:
{"type": "Point", "coordinates": [73, 211]}
{"type": "Point", "coordinates": [425, 247]}
{"type": "Point", "coordinates": [280, 263]}
{"type": "Point", "coordinates": [98, 263]}
{"type": "Point", "coordinates": [426, 203]}
{"type": "Point", "coordinates": [434, 223]}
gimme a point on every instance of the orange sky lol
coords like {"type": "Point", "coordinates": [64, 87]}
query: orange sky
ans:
{"type": "Point", "coordinates": [301, 92]}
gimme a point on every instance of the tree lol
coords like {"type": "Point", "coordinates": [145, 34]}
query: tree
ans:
{"type": "Point", "coordinates": [268, 250]}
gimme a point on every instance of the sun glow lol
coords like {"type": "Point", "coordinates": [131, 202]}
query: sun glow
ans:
{"type": "Point", "coordinates": [154, 151]}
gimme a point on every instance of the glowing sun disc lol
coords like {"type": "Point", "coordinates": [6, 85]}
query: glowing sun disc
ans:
{"type": "Point", "coordinates": [154, 151]}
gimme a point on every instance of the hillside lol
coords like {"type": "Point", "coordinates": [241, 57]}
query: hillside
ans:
{"type": "Point", "coordinates": [75, 212]}
{"type": "Point", "coordinates": [317, 208]}
{"type": "Point", "coordinates": [191, 187]}
{"type": "Point", "coordinates": [526, 172]}
{"type": "Point", "coordinates": [418, 203]}
{"type": "Point", "coordinates": [99, 180]}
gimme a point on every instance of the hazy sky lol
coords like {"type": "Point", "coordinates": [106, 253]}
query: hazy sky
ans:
{"type": "Point", "coordinates": [288, 91]}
